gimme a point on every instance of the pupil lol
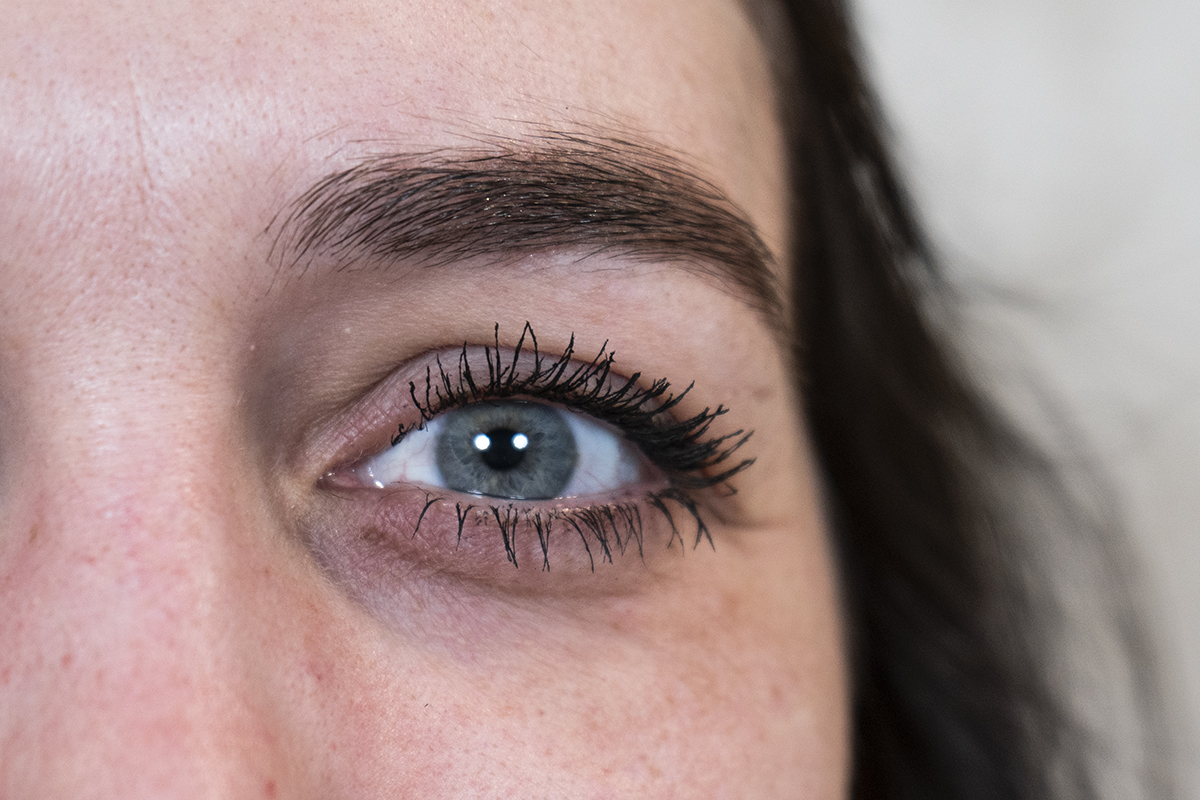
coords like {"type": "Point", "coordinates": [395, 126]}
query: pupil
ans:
{"type": "Point", "coordinates": [514, 450]}
{"type": "Point", "coordinates": [504, 449]}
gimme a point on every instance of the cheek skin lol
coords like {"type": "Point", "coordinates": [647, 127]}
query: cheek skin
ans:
{"type": "Point", "coordinates": [166, 638]}
{"type": "Point", "coordinates": [632, 703]}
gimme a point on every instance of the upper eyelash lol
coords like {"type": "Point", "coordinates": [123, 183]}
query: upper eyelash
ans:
{"type": "Point", "coordinates": [641, 413]}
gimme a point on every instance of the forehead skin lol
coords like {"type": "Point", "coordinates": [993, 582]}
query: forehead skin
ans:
{"type": "Point", "coordinates": [165, 383]}
{"type": "Point", "coordinates": [183, 94]}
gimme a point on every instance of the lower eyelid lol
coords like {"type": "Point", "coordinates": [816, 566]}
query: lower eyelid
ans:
{"type": "Point", "coordinates": [375, 537]}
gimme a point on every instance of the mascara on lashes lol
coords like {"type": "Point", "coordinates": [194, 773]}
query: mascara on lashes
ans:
{"type": "Point", "coordinates": [641, 413]}
{"type": "Point", "coordinates": [690, 460]}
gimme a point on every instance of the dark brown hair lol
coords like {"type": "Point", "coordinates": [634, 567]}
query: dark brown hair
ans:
{"type": "Point", "coordinates": [948, 607]}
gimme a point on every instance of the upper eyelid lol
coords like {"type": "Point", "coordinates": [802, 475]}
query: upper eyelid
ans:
{"type": "Point", "coordinates": [681, 446]}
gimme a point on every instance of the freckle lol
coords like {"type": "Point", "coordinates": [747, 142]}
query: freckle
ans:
{"type": "Point", "coordinates": [763, 394]}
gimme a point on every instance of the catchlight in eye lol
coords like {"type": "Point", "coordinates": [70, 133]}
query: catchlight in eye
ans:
{"type": "Point", "coordinates": [509, 449]}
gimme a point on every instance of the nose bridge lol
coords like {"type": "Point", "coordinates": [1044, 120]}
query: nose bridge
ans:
{"type": "Point", "coordinates": [121, 558]}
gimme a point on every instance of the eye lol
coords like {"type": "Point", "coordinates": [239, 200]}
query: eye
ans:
{"type": "Point", "coordinates": [565, 453]}
{"type": "Point", "coordinates": [511, 449]}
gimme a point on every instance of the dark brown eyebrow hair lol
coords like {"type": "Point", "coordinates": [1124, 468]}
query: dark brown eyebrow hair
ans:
{"type": "Point", "coordinates": [554, 191]}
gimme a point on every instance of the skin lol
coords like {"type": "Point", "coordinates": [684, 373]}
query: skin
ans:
{"type": "Point", "coordinates": [186, 612]}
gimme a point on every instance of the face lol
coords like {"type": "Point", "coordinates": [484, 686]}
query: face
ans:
{"type": "Point", "coordinates": [269, 273]}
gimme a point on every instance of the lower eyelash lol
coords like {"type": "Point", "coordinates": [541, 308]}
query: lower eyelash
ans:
{"type": "Point", "coordinates": [613, 528]}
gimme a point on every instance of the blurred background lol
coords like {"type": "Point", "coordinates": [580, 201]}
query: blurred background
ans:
{"type": "Point", "coordinates": [1054, 149]}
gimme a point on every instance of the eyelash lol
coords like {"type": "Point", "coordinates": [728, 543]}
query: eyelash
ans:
{"type": "Point", "coordinates": [677, 447]}
{"type": "Point", "coordinates": [690, 461]}
{"type": "Point", "coordinates": [613, 526]}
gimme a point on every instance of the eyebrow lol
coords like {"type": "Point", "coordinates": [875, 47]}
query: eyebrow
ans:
{"type": "Point", "coordinates": [556, 191]}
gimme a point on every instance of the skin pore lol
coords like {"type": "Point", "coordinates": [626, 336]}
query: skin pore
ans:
{"type": "Point", "coordinates": [190, 609]}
